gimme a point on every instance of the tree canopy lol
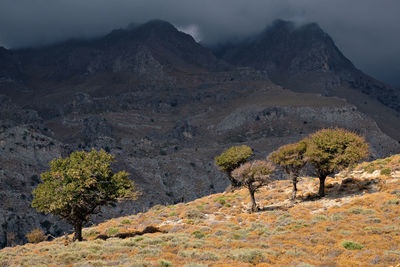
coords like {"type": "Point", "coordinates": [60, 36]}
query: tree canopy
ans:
{"type": "Point", "coordinates": [332, 150]}
{"type": "Point", "coordinates": [291, 158]}
{"type": "Point", "coordinates": [233, 158]}
{"type": "Point", "coordinates": [76, 187]}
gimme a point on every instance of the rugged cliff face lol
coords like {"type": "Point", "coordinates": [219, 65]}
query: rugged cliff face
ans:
{"type": "Point", "coordinates": [163, 104]}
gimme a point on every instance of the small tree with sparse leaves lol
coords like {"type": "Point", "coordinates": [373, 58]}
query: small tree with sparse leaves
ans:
{"type": "Point", "coordinates": [332, 150]}
{"type": "Point", "coordinates": [254, 175]}
{"type": "Point", "coordinates": [77, 186]}
{"type": "Point", "coordinates": [291, 158]}
{"type": "Point", "coordinates": [231, 159]}
{"type": "Point", "coordinates": [36, 236]}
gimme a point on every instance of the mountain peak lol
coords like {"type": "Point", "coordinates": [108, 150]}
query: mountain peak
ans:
{"type": "Point", "coordinates": [160, 27]}
{"type": "Point", "coordinates": [287, 47]}
{"type": "Point", "coordinates": [158, 23]}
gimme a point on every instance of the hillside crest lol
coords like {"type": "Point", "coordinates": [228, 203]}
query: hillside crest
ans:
{"type": "Point", "coordinates": [357, 223]}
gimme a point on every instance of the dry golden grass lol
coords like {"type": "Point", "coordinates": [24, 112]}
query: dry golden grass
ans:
{"type": "Point", "coordinates": [356, 224]}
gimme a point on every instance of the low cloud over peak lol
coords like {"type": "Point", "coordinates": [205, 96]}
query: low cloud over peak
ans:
{"type": "Point", "coordinates": [367, 31]}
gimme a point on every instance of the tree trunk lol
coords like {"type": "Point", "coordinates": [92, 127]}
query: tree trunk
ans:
{"type": "Point", "coordinates": [321, 191]}
{"type": "Point", "coordinates": [253, 201]}
{"type": "Point", "coordinates": [294, 181]}
{"type": "Point", "coordinates": [234, 183]}
{"type": "Point", "coordinates": [78, 231]}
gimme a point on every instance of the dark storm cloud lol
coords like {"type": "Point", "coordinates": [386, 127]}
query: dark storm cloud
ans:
{"type": "Point", "coordinates": [367, 31]}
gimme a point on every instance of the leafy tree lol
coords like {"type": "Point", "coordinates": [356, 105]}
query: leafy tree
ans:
{"type": "Point", "coordinates": [77, 186]}
{"type": "Point", "coordinates": [291, 158]}
{"type": "Point", "coordinates": [332, 150]}
{"type": "Point", "coordinates": [254, 175]}
{"type": "Point", "coordinates": [231, 159]}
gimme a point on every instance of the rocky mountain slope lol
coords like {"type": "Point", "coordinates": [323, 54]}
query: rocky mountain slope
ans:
{"type": "Point", "coordinates": [304, 58]}
{"type": "Point", "coordinates": [356, 224]}
{"type": "Point", "coordinates": [163, 104]}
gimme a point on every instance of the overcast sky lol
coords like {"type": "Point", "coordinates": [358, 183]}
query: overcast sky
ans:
{"type": "Point", "coordinates": [367, 31]}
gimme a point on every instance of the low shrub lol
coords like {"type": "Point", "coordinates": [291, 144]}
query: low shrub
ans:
{"type": "Point", "coordinates": [36, 236]}
{"type": "Point", "coordinates": [198, 234]}
{"type": "Point", "coordinates": [112, 231]}
{"type": "Point", "coordinates": [319, 218]}
{"type": "Point", "coordinates": [351, 245]}
{"type": "Point", "coordinates": [386, 171]}
{"type": "Point", "coordinates": [252, 256]}
{"type": "Point", "coordinates": [165, 263]}
{"type": "Point", "coordinates": [194, 214]}
{"type": "Point", "coordinates": [221, 200]}
{"type": "Point", "coordinates": [150, 251]}
{"type": "Point", "coordinates": [356, 210]}
{"type": "Point", "coordinates": [392, 202]}
{"type": "Point", "coordinates": [194, 254]}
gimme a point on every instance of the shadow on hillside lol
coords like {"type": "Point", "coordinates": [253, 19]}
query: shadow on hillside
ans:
{"type": "Point", "coordinates": [147, 230]}
{"type": "Point", "coordinates": [334, 190]}
{"type": "Point", "coordinates": [347, 187]}
{"type": "Point", "coordinates": [276, 207]}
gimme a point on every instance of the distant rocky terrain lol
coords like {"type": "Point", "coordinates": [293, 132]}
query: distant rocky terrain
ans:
{"type": "Point", "coordinates": [166, 106]}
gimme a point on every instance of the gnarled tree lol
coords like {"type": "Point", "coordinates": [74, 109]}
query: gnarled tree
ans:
{"type": "Point", "coordinates": [254, 175]}
{"type": "Point", "coordinates": [77, 186]}
{"type": "Point", "coordinates": [231, 159]}
{"type": "Point", "coordinates": [291, 158]}
{"type": "Point", "coordinates": [332, 150]}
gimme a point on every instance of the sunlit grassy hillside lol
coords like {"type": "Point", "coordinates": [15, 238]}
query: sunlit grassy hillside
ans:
{"type": "Point", "coordinates": [356, 224]}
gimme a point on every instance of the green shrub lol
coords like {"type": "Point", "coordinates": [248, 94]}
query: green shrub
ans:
{"type": "Point", "coordinates": [165, 263]}
{"type": "Point", "coordinates": [112, 231]}
{"type": "Point", "coordinates": [350, 245]}
{"type": "Point", "coordinates": [221, 200]}
{"type": "Point", "coordinates": [126, 221]}
{"type": "Point", "coordinates": [370, 168]}
{"type": "Point", "coordinates": [386, 171]}
{"type": "Point", "coordinates": [172, 213]}
{"type": "Point", "coordinates": [198, 234]}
